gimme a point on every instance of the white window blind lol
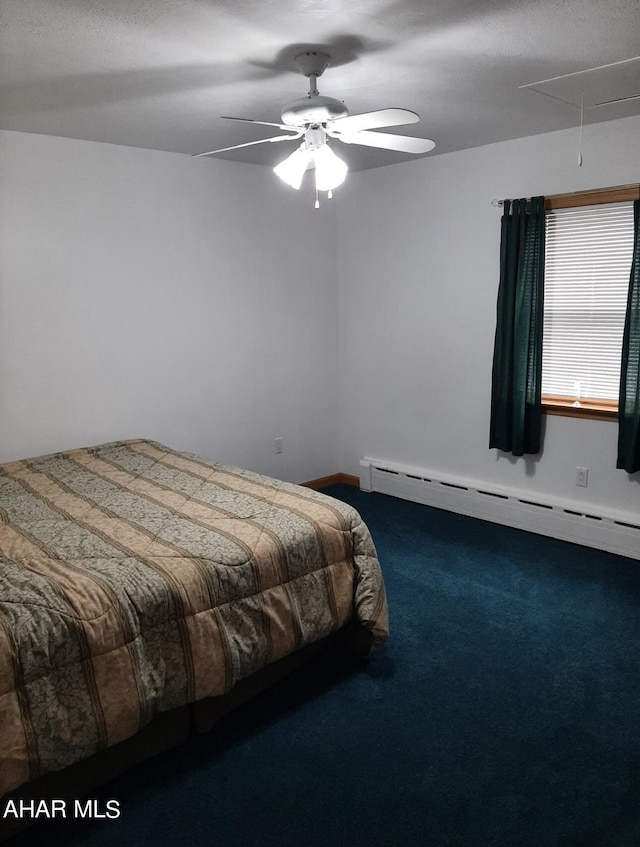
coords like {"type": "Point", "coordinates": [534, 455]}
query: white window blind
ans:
{"type": "Point", "coordinates": [588, 257]}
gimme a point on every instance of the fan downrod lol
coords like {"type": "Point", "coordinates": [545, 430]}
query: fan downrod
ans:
{"type": "Point", "coordinates": [314, 108]}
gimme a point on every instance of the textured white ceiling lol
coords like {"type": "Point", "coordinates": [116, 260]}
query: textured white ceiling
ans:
{"type": "Point", "coordinates": [159, 73]}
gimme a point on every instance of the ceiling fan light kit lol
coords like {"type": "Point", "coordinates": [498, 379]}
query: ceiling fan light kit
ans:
{"type": "Point", "coordinates": [317, 118]}
{"type": "Point", "coordinates": [314, 152]}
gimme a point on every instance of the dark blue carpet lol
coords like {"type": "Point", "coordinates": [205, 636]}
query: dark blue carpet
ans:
{"type": "Point", "coordinates": [502, 713]}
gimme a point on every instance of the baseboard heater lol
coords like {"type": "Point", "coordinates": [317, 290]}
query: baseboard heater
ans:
{"type": "Point", "coordinates": [569, 521]}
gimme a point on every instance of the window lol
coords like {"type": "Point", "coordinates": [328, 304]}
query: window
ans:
{"type": "Point", "coordinates": [588, 256]}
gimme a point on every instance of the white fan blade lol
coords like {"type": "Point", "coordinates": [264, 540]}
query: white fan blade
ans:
{"type": "Point", "coordinates": [374, 120]}
{"type": "Point", "coordinates": [389, 141]}
{"type": "Point", "coordinates": [249, 144]}
{"type": "Point", "coordinates": [262, 123]}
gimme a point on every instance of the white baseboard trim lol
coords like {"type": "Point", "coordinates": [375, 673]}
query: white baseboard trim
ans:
{"type": "Point", "coordinates": [567, 520]}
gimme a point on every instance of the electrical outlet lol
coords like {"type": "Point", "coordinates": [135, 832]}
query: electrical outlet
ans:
{"type": "Point", "coordinates": [280, 448]}
{"type": "Point", "coordinates": [582, 475]}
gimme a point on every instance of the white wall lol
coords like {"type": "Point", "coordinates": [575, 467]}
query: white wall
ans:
{"type": "Point", "coordinates": [195, 302]}
{"type": "Point", "coordinates": [147, 294]}
{"type": "Point", "coordinates": [417, 312]}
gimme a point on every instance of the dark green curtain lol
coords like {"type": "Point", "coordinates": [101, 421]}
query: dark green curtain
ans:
{"type": "Point", "coordinates": [629, 402]}
{"type": "Point", "coordinates": [516, 410]}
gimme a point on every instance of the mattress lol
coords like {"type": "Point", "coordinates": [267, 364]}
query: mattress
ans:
{"type": "Point", "coordinates": [135, 578]}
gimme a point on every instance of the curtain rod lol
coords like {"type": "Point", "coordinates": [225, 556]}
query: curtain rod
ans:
{"type": "Point", "coordinates": [633, 189]}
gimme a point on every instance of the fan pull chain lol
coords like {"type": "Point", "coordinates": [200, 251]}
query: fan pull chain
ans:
{"type": "Point", "coordinates": [581, 124]}
{"type": "Point", "coordinates": [329, 197]}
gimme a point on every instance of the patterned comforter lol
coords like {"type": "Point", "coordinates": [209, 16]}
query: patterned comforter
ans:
{"type": "Point", "coordinates": [134, 578]}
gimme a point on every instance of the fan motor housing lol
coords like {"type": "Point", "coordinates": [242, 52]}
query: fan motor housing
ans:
{"type": "Point", "coordinates": [313, 110]}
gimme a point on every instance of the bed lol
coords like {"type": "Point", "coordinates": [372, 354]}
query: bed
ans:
{"type": "Point", "coordinates": [137, 581]}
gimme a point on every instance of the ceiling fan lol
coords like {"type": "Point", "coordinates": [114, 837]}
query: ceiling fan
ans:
{"type": "Point", "coordinates": [317, 120]}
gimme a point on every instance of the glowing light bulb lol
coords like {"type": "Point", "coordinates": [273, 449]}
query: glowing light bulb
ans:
{"type": "Point", "coordinates": [292, 169]}
{"type": "Point", "coordinates": [330, 170]}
